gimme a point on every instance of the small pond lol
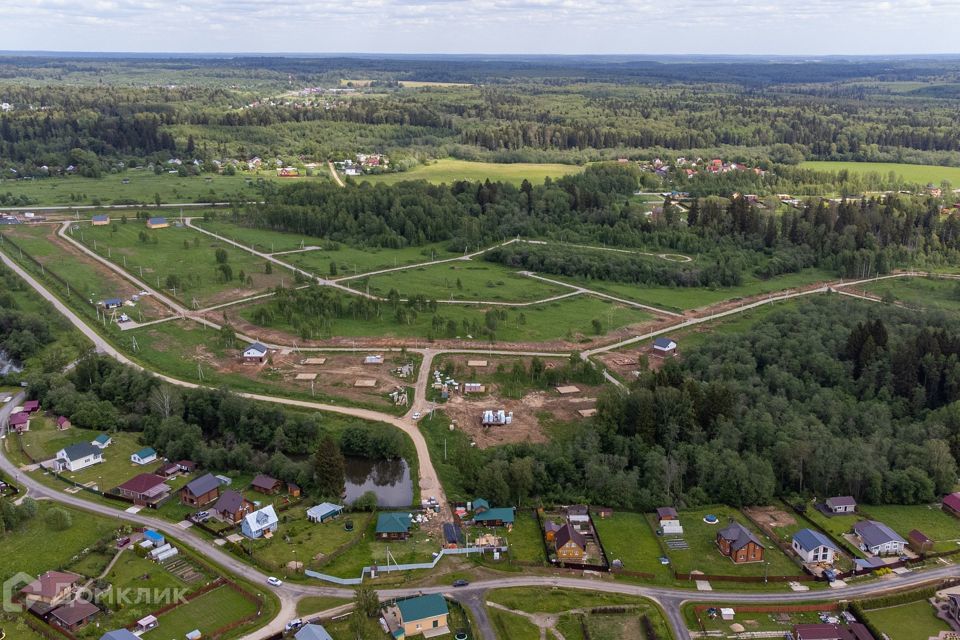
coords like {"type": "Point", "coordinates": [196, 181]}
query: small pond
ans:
{"type": "Point", "coordinates": [389, 479]}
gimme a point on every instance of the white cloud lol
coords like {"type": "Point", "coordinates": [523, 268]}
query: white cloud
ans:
{"type": "Point", "coordinates": [494, 26]}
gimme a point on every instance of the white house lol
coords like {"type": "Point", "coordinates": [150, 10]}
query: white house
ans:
{"type": "Point", "coordinates": [813, 546]}
{"type": "Point", "coordinates": [255, 353]}
{"type": "Point", "coordinates": [102, 441]}
{"type": "Point", "coordinates": [664, 347]}
{"type": "Point", "coordinates": [841, 504]}
{"type": "Point", "coordinates": [144, 456]}
{"type": "Point", "coordinates": [260, 523]}
{"type": "Point", "coordinates": [78, 456]}
{"type": "Point", "coordinates": [878, 538]}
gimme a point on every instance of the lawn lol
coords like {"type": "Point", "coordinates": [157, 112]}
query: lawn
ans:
{"type": "Point", "coordinates": [926, 293]}
{"type": "Point", "coordinates": [760, 622]}
{"type": "Point", "coordinates": [511, 626]}
{"type": "Point", "coordinates": [915, 621]}
{"type": "Point", "coordinates": [917, 173]}
{"type": "Point", "coordinates": [836, 526]}
{"type": "Point", "coordinates": [943, 529]}
{"type": "Point", "coordinates": [43, 441]}
{"type": "Point", "coordinates": [556, 600]}
{"type": "Point", "coordinates": [524, 541]}
{"type": "Point", "coordinates": [132, 572]}
{"type": "Point", "coordinates": [180, 261]}
{"type": "Point", "coordinates": [462, 281]}
{"type": "Point", "coordinates": [304, 541]}
{"type": "Point", "coordinates": [449, 170]}
{"type": "Point", "coordinates": [703, 554]}
{"type": "Point", "coordinates": [311, 605]}
{"type": "Point", "coordinates": [35, 547]}
{"type": "Point", "coordinates": [209, 612]}
{"type": "Point", "coordinates": [567, 319]}
{"type": "Point", "coordinates": [141, 188]}
{"type": "Point", "coordinates": [369, 551]}
{"type": "Point", "coordinates": [627, 537]}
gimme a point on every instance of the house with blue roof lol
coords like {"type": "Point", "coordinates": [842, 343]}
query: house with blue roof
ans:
{"type": "Point", "coordinates": [393, 526]}
{"type": "Point", "coordinates": [878, 538]}
{"type": "Point", "coordinates": [255, 353]}
{"type": "Point", "coordinates": [100, 220]}
{"type": "Point", "coordinates": [312, 632]}
{"type": "Point", "coordinates": [119, 634]}
{"type": "Point", "coordinates": [813, 546]}
{"type": "Point", "coordinates": [154, 537]}
{"type": "Point", "coordinates": [102, 441]}
{"type": "Point", "coordinates": [664, 347]}
{"type": "Point", "coordinates": [157, 223]}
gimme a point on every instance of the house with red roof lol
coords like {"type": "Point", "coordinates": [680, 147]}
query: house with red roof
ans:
{"type": "Point", "coordinates": [951, 504]}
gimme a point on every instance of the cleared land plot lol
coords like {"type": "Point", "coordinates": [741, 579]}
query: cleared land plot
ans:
{"type": "Point", "coordinates": [184, 254]}
{"type": "Point", "coordinates": [940, 527]}
{"type": "Point", "coordinates": [628, 537]}
{"type": "Point", "coordinates": [704, 555]}
{"type": "Point", "coordinates": [351, 261]}
{"type": "Point", "coordinates": [449, 170]}
{"type": "Point", "coordinates": [686, 298]}
{"type": "Point", "coordinates": [35, 547]}
{"type": "Point", "coordinates": [925, 293]}
{"type": "Point", "coordinates": [134, 572]}
{"type": "Point", "coordinates": [468, 280]}
{"type": "Point", "coordinates": [419, 547]}
{"type": "Point", "coordinates": [757, 622]}
{"type": "Point", "coordinates": [86, 278]}
{"type": "Point", "coordinates": [568, 320]}
{"type": "Point", "coordinates": [142, 188]}
{"type": "Point", "coordinates": [919, 173]}
{"type": "Point", "coordinates": [207, 613]}
{"type": "Point", "coordinates": [914, 621]}
{"type": "Point", "coordinates": [304, 541]}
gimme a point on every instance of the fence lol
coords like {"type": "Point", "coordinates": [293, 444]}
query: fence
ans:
{"type": "Point", "coordinates": [402, 567]}
{"type": "Point", "coordinates": [745, 579]}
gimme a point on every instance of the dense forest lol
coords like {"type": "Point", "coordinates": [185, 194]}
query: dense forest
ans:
{"type": "Point", "coordinates": [830, 396]}
{"type": "Point", "coordinates": [216, 429]}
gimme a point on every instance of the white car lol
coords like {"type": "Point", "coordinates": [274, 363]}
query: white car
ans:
{"type": "Point", "coordinates": [416, 415]}
{"type": "Point", "coordinates": [294, 624]}
{"type": "Point", "coordinates": [276, 582]}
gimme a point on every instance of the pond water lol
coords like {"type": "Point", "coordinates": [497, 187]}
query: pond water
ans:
{"type": "Point", "coordinates": [389, 479]}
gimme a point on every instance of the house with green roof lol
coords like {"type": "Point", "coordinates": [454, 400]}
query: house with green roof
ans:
{"type": "Point", "coordinates": [144, 456]}
{"type": "Point", "coordinates": [422, 615]}
{"type": "Point", "coordinates": [102, 441]}
{"type": "Point", "coordinates": [496, 517]}
{"type": "Point", "coordinates": [393, 526]}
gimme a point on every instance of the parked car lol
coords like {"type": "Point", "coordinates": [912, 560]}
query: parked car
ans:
{"type": "Point", "coordinates": [296, 623]}
{"type": "Point", "coordinates": [461, 583]}
{"type": "Point", "coordinates": [276, 582]}
{"type": "Point", "coordinates": [416, 415]}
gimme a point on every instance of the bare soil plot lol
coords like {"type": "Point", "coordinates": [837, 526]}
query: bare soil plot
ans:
{"type": "Point", "coordinates": [772, 517]}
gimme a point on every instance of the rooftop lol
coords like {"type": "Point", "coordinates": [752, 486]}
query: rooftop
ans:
{"type": "Point", "coordinates": [202, 485]}
{"type": "Point", "coordinates": [422, 607]}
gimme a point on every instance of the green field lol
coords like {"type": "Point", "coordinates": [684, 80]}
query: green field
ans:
{"type": "Point", "coordinates": [917, 173]}
{"type": "Point", "coordinates": [703, 554]}
{"type": "Point", "coordinates": [915, 621]}
{"type": "Point", "coordinates": [462, 281]}
{"type": "Point", "coordinates": [683, 298]}
{"type": "Point", "coordinates": [925, 293]}
{"type": "Point", "coordinates": [310, 605]}
{"type": "Point", "coordinates": [351, 261]}
{"type": "Point", "coordinates": [134, 572]}
{"type": "Point", "coordinates": [449, 170]}
{"type": "Point", "coordinates": [628, 537]}
{"type": "Point", "coordinates": [568, 319]}
{"type": "Point", "coordinates": [511, 626]}
{"type": "Point", "coordinates": [207, 613]}
{"type": "Point", "coordinates": [35, 547]}
{"type": "Point", "coordinates": [181, 252]}
{"type": "Point", "coordinates": [141, 189]}
{"type": "Point", "coordinates": [419, 547]}
{"type": "Point", "coordinates": [943, 529]}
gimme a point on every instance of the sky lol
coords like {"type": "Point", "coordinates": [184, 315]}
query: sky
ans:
{"type": "Point", "coordinates": [786, 27]}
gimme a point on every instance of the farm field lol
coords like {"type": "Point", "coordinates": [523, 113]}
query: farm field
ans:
{"type": "Point", "coordinates": [925, 293]}
{"type": "Point", "coordinates": [627, 537]}
{"type": "Point", "coordinates": [914, 621]}
{"type": "Point", "coordinates": [36, 547]}
{"type": "Point", "coordinates": [703, 554]}
{"type": "Point", "coordinates": [184, 254]}
{"type": "Point", "coordinates": [449, 170]}
{"type": "Point", "coordinates": [207, 613]}
{"type": "Point", "coordinates": [940, 527]}
{"type": "Point", "coordinates": [919, 173]}
{"type": "Point", "coordinates": [142, 188]}
{"type": "Point", "coordinates": [469, 280]}
{"type": "Point", "coordinates": [568, 319]}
